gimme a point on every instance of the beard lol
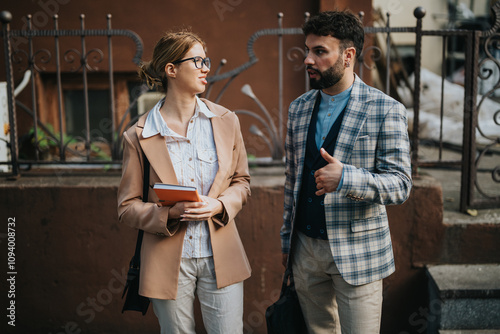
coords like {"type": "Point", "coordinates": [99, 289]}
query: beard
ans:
{"type": "Point", "coordinates": [328, 78]}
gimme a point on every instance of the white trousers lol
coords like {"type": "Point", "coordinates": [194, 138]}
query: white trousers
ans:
{"type": "Point", "coordinates": [330, 304]}
{"type": "Point", "coordinates": [222, 309]}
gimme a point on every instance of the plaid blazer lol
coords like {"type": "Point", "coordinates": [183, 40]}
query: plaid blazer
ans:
{"type": "Point", "coordinates": [374, 147]}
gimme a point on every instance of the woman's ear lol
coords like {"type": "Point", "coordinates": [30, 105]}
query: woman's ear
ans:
{"type": "Point", "coordinates": [170, 70]}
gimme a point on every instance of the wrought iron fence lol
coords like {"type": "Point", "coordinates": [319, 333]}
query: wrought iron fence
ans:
{"type": "Point", "coordinates": [80, 60]}
{"type": "Point", "coordinates": [480, 47]}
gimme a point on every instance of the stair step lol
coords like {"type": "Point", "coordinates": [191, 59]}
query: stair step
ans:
{"type": "Point", "coordinates": [464, 297]}
{"type": "Point", "coordinates": [471, 239]}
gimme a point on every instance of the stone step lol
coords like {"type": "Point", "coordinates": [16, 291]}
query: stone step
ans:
{"type": "Point", "coordinates": [471, 239]}
{"type": "Point", "coordinates": [464, 297]}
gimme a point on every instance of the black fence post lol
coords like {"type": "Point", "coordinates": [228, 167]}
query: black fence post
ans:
{"type": "Point", "coordinates": [419, 13]}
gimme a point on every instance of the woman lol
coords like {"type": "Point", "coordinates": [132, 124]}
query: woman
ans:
{"type": "Point", "coordinates": [191, 246]}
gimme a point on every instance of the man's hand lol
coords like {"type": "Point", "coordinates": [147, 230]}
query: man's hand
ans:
{"type": "Point", "coordinates": [328, 177]}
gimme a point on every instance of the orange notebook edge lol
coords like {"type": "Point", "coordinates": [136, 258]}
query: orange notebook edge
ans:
{"type": "Point", "coordinates": [170, 196]}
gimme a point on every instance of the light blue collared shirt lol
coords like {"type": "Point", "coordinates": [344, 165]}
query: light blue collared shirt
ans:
{"type": "Point", "coordinates": [330, 108]}
{"type": "Point", "coordinates": [195, 163]}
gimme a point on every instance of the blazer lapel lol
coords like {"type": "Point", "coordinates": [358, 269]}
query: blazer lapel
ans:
{"type": "Point", "coordinates": [304, 114]}
{"type": "Point", "coordinates": [156, 151]}
{"type": "Point", "coordinates": [224, 145]}
{"type": "Point", "coordinates": [224, 142]}
{"type": "Point", "coordinates": [355, 115]}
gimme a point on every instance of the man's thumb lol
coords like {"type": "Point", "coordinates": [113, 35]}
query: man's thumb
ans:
{"type": "Point", "coordinates": [327, 156]}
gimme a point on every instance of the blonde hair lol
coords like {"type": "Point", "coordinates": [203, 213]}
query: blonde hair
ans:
{"type": "Point", "coordinates": [171, 47]}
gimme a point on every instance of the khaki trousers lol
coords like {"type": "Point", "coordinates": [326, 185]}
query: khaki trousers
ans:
{"type": "Point", "coordinates": [330, 304]}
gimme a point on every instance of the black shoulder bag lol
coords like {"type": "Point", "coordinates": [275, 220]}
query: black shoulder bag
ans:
{"type": "Point", "coordinates": [285, 316]}
{"type": "Point", "coordinates": [134, 301]}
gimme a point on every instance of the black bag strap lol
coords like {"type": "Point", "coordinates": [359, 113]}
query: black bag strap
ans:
{"type": "Point", "coordinates": [287, 275]}
{"type": "Point", "coordinates": [136, 260]}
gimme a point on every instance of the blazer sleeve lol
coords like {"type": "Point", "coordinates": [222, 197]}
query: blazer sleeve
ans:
{"type": "Point", "coordinates": [390, 183]}
{"type": "Point", "coordinates": [236, 194]}
{"type": "Point", "coordinates": [131, 209]}
{"type": "Point", "coordinates": [290, 179]}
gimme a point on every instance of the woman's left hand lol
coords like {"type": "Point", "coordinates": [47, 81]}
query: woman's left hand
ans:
{"type": "Point", "coordinates": [211, 208]}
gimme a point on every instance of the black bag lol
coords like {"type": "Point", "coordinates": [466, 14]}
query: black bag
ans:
{"type": "Point", "coordinates": [285, 315]}
{"type": "Point", "coordinates": [134, 301]}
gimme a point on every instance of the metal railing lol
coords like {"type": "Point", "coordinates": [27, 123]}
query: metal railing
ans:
{"type": "Point", "coordinates": [477, 45]}
{"type": "Point", "coordinates": [83, 61]}
{"type": "Point", "coordinates": [271, 130]}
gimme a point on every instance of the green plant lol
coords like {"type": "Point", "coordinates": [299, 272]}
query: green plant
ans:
{"type": "Point", "coordinates": [48, 141]}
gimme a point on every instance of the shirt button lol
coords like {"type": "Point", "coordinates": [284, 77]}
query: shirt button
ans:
{"type": "Point", "coordinates": [192, 180]}
{"type": "Point", "coordinates": [189, 141]}
{"type": "Point", "coordinates": [308, 227]}
{"type": "Point", "coordinates": [333, 99]}
{"type": "Point", "coordinates": [190, 237]}
{"type": "Point", "coordinates": [329, 115]}
{"type": "Point", "coordinates": [191, 121]}
{"type": "Point", "coordinates": [323, 138]}
{"type": "Point", "coordinates": [312, 173]}
{"type": "Point", "coordinates": [322, 203]}
{"type": "Point", "coordinates": [321, 231]}
{"type": "Point", "coordinates": [309, 199]}
{"type": "Point", "coordinates": [190, 159]}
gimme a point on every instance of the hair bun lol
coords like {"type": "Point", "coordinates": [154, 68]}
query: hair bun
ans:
{"type": "Point", "coordinates": [149, 75]}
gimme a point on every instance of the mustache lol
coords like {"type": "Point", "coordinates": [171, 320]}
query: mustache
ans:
{"type": "Point", "coordinates": [310, 68]}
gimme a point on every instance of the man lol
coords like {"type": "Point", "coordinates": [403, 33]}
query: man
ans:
{"type": "Point", "coordinates": [347, 156]}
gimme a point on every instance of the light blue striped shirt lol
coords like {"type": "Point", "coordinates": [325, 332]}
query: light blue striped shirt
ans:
{"type": "Point", "coordinates": [194, 158]}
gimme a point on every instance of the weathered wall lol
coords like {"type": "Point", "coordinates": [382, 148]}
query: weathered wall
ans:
{"type": "Point", "coordinates": [72, 254]}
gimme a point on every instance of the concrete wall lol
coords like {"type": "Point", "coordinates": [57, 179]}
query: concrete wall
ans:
{"type": "Point", "coordinates": [71, 254]}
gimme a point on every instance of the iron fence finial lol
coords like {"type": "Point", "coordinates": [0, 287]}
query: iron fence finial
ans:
{"type": "Point", "coordinates": [5, 16]}
{"type": "Point", "coordinates": [419, 12]}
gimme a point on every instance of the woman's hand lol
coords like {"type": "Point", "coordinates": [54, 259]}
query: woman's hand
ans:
{"type": "Point", "coordinates": [194, 211]}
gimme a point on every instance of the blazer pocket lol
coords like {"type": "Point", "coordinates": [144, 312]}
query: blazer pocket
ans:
{"type": "Point", "coordinates": [362, 143]}
{"type": "Point", "coordinates": [367, 224]}
{"type": "Point", "coordinates": [363, 153]}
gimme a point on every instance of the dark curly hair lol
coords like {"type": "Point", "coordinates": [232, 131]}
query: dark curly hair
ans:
{"type": "Point", "coordinates": [343, 25]}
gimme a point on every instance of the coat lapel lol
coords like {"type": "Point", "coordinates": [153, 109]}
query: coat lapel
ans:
{"type": "Point", "coordinates": [224, 146]}
{"type": "Point", "coordinates": [156, 151]}
{"type": "Point", "coordinates": [355, 116]}
{"type": "Point", "coordinates": [303, 113]}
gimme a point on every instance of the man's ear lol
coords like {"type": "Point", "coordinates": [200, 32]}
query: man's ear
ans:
{"type": "Point", "coordinates": [170, 70]}
{"type": "Point", "coordinates": [350, 54]}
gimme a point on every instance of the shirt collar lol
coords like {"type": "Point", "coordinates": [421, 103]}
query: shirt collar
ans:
{"type": "Point", "coordinates": [155, 124]}
{"type": "Point", "coordinates": [203, 108]}
{"type": "Point", "coordinates": [325, 98]}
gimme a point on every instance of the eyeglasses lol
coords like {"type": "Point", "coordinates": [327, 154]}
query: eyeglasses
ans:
{"type": "Point", "coordinates": [198, 61]}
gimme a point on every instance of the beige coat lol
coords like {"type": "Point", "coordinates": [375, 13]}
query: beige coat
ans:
{"type": "Point", "coordinates": [163, 238]}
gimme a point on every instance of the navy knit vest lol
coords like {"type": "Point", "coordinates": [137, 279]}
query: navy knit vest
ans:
{"type": "Point", "coordinates": [310, 216]}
